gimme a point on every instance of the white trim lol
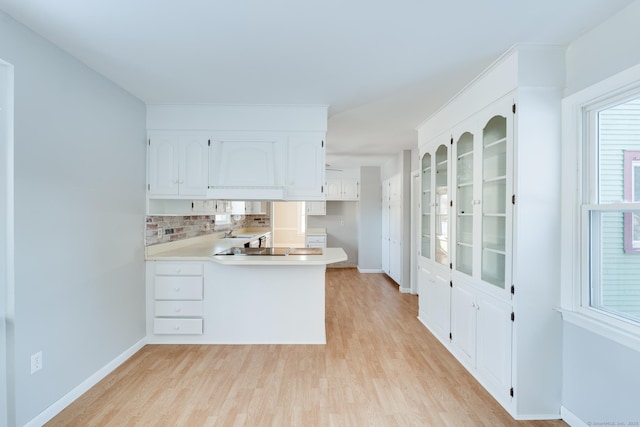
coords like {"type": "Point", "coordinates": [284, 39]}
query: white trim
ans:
{"type": "Point", "coordinates": [574, 289]}
{"type": "Point", "coordinates": [369, 270]}
{"type": "Point", "coordinates": [83, 387]}
{"type": "Point", "coordinates": [404, 290]}
{"type": "Point", "coordinates": [571, 418]}
{"type": "Point", "coordinates": [600, 327]}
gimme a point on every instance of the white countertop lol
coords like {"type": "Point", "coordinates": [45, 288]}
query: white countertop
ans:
{"type": "Point", "coordinates": [316, 232]}
{"type": "Point", "coordinates": [202, 249]}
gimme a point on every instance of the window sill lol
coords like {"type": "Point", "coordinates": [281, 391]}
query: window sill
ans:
{"type": "Point", "coordinates": [606, 330]}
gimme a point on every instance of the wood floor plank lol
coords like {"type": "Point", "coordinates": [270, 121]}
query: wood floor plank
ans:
{"type": "Point", "coordinates": [380, 367]}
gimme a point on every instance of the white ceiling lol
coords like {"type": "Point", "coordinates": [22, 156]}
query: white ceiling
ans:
{"type": "Point", "coordinates": [382, 66]}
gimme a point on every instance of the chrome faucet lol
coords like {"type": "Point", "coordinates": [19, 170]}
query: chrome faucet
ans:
{"type": "Point", "coordinates": [228, 233]}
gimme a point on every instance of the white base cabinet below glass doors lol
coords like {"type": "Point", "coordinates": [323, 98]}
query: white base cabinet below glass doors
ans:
{"type": "Point", "coordinates": [481, 337]}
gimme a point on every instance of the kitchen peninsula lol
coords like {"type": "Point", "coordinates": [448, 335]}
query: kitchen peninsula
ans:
{"type": "Point", "coordinates": [195, 296]}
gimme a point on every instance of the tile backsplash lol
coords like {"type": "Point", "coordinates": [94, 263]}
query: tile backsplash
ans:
{"type": "Point", "coordinates": [174, 228]}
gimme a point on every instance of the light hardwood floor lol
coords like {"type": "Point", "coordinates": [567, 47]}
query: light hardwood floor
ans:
{"type": "Point", "coordinates": [380, 367]}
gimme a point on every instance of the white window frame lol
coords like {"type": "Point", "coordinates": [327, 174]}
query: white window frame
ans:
{"type": "Point", "coordinates": [577, 161]}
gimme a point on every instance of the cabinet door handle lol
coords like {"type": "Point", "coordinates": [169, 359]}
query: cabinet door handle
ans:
{"type": "Point", "coordinates": [178, 270]}
{"type": "Point", "coordinates": [176, 289]}
{"type": "Point", "coordinates": [178, 310]}
{"type": "Point", "coordinates": [177, 328]}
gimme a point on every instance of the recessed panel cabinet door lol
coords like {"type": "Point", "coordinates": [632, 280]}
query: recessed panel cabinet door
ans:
{"type": "Point", "coordinates": [494, 329]}
{"type": "Point", "coordinates": [251, 162]}
{"type": "Point", "coordinates": [164, 164]}
{"type": "Point", "coordinates": [305, 171]}
{"type": "Point", "coordinates": [194, 161]}
{"type": "Point", "coordinates": [178, 164]}
{"type": "Point", "coordinates": [463, 323]}
{"type": "Point", "coordinates": [438, 303]}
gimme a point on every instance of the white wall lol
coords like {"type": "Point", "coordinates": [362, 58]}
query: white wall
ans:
{"type": "Point", "coordinates": [79, 218]}
{"type": "Point", "coordinates": [605, 50]}
{"type": "Point", "coordinates": [370, 218]}
{"type": "Point", "coordinates": [341, 222]}
{"type": "Point", "coordinates": [6, 223]}
{"type": "Point", "coordinates": [600, 377]}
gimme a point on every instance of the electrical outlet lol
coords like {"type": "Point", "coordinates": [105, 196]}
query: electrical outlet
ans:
{"type": "Point", "coordinates": [160, 232]}
{"type": "Point", "coordinates": [36, 362]}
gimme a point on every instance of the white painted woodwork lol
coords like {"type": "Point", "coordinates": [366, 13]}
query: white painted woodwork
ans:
{"type": "Point", "coordinates": [316, 207]}
{"type": "Point", "coordinates": [252, 161]}
{"type": "Point", "coordinates": [247, 304]}
{"type": "Point", "coordinates": [316, 241]}
{"type": "Point", "coordinates": [494, 244]}
{"type": "Point", "coordinates": [392, 241]}
{"type": "Point", "coordinates": [386, 227]}
{"type": "Point", "coordinates": [171, 326]}
{"type": "Point", "coordinates": [255, 207]}
{"type": "Point", "coordinates": [463, 323]}
{"type": "Point", "coordinates": [175, 292]}
{"type": "Point", "coordinates": [343, 189]}
{"type": "Point", "coordinates": [305, 167]}
{"type": "Point", "coordinates": [256, 153]}
{"type": "Point", "coordinates": [178, 164]}
{"type": "Point", "coordinates": [178, 288]}
{"type": "Point", "coordinates": [178, 308]}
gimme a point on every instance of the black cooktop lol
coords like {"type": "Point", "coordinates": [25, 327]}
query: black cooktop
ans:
{"type": "Point", "coordinates": [255, 251]}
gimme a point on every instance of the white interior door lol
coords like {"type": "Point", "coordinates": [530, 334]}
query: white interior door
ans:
{"type": "Point", "coordinates": [415, 229]}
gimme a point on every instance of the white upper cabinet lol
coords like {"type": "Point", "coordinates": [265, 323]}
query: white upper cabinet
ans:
{"type": "Point", "coordinates": [343, 189]}
{"type": "Point", "coordinates": [305, 168]}
{"type": "Point", "coordinates": [316, 207]}
{"type": "Point", "coordinates": [178, 164]}
{"type": "Point", "coordinates": [256, 152]}
{"type": "Point", "coordinates": [250, 166]}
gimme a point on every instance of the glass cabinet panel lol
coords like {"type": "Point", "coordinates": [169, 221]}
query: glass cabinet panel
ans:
{"type": "Point", "coordinates": [442, 206]}
{"type": "Point", "coordinates": [464, 203]}
{"type": "Point", "coordinates": [494, 200]}
{"type": "Point", "coordinates": [426, 206]}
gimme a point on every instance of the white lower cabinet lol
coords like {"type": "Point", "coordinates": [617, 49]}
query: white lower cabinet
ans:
{"type": "Point", "coordinates": [481, 337]}
{"type": "Point", "coordinates": [166, 326]}
{"type": "Point", "coordinates": [316, 241]}
{"type": "Point", "coordinates": [177, 294]}
{"type": "Point", "coordinates": [435, 301]}
{"type": "Point", "coordinates": [494, 340]}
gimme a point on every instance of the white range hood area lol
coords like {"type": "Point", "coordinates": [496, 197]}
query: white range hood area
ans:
{"type": "Point", "coordinates": [235, 152]}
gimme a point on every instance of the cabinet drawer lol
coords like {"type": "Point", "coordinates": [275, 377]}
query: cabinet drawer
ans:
{"type": "Point", "coordinates": [178, 288]}
{"type": "Point", "coordinates": [316, 239]}
{"type": "Point", "coordinates": [177, 326]}
{"type": "Point", "coordinates": [179, 308]}
{"type": "Point", "coordinates": [179, 268]}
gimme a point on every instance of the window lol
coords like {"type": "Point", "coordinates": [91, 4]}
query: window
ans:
{"type": "Point", "coordinates": [612, 132]}
{"type": "Point", "coordinates": [601, 207]}
{"type": "Point", "coordinates": [632, 194]}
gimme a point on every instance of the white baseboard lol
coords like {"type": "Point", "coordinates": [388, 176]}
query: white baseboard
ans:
{"type": "Point", "coordinates": [83, 387]}
{"type": "Point", "coordinates": [571, 418]}
{"type": "Point", "coordinates": [404, 290]}
{"type": "Point", "coordinates": [369, 270]}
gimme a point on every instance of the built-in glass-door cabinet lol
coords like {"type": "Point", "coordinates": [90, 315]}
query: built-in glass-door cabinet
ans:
{"type": "Point", "coordinates": [494, 201]}
{"type": "Point", "coordinates": [465, 203]}
{"type": "Point", "coordinates": [442, 206]}
{"type": "Point", "coordinates": [426, 206]}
